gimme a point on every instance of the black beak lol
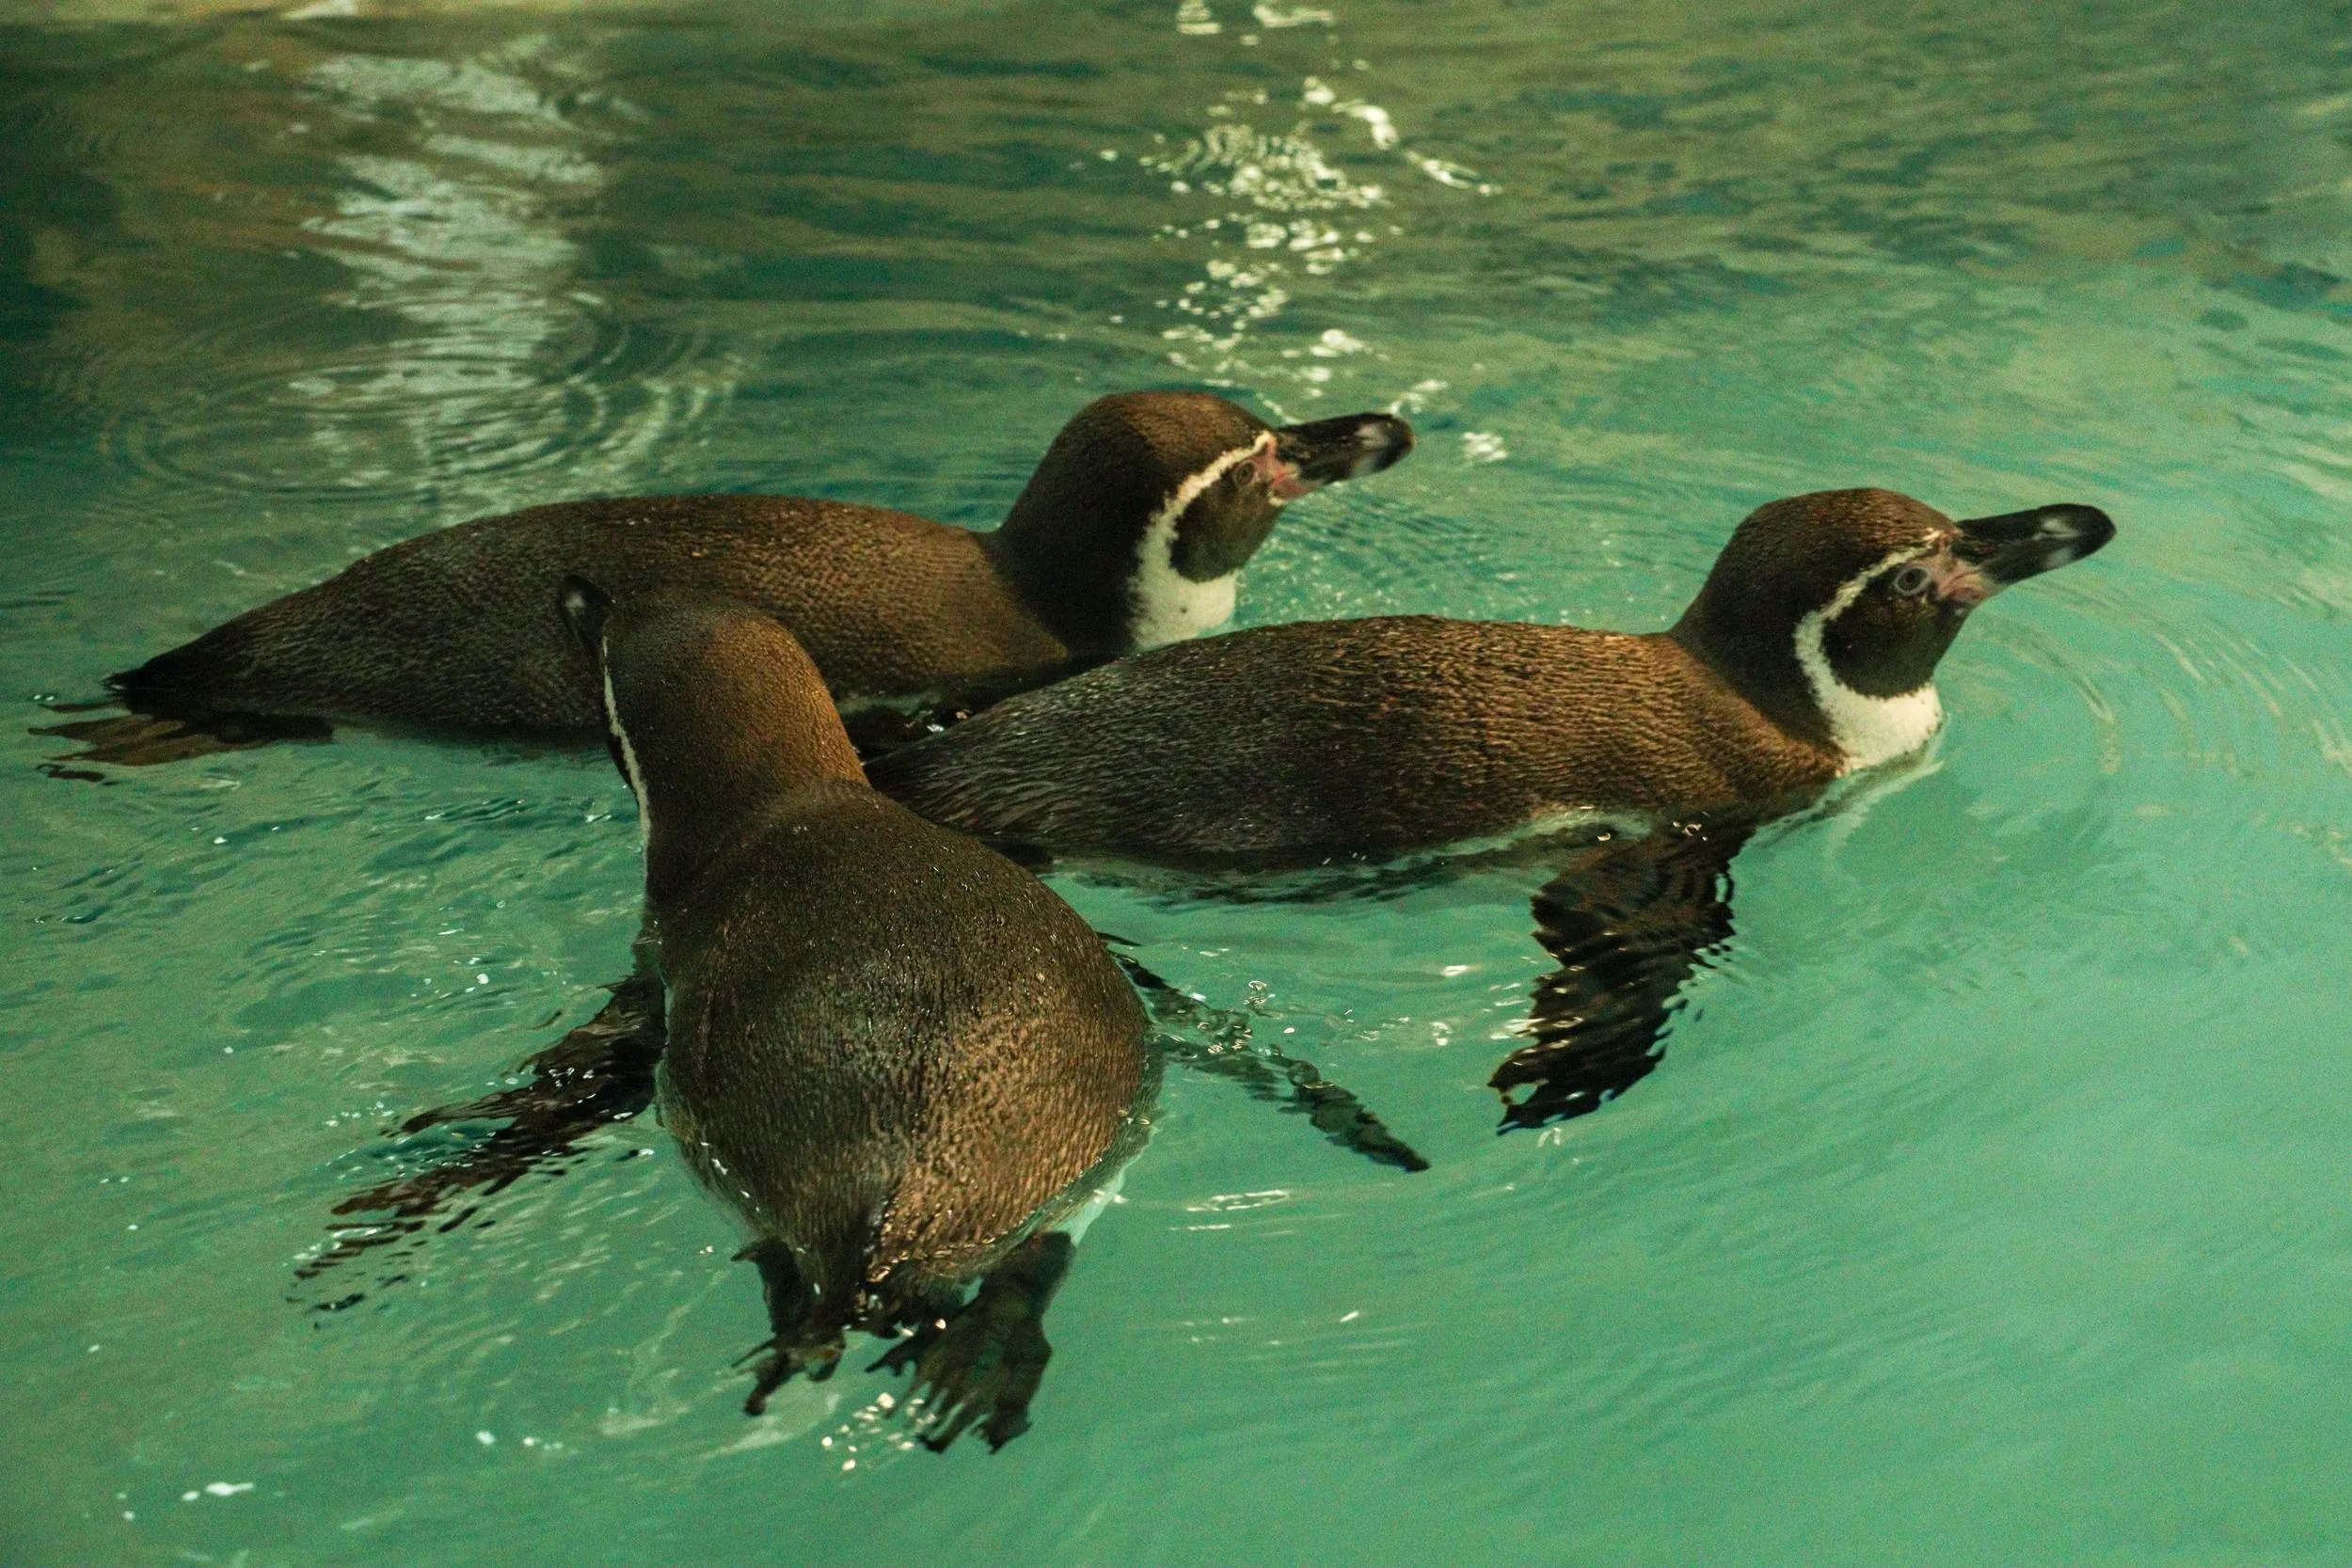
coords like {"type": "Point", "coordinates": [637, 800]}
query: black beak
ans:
{"type": "Point", "coordinates": [1349, 447]}
{"type": "Point", "coordinates": [2019, 545]}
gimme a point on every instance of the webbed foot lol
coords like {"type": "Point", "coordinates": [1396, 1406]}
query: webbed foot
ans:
{"type": "Point", "coordinates": [804, 1341]}
{"type": "Point", "coordinates": [987, 1358]}
{"type": "Point", "coordinates": [779, 1361]}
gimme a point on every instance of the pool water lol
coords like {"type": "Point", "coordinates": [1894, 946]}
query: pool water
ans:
{"type": "Point", "coordinates": [1990, 1206]}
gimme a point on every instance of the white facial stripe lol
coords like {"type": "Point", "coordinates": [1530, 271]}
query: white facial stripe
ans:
{"type": "Point", "coordinates": [1171, 606]}
{"type": "Point", "coordinates": [1866, 730]}
{"type": "Point", "coordinates": [628, 753]}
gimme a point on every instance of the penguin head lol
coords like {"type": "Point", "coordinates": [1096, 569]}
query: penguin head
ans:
{"type": "Point", "coordinates": [1829, 611]}
{"type": "Point", "coordinates": [1130, 532]}
{"type": "Point", "coordinates": [711, 709]}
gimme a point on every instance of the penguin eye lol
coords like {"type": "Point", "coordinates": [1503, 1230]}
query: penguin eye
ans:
{"type": "Point", "coordinates": [1912, 580]}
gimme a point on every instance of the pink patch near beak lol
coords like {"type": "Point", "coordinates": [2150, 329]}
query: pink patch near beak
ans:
{"type": "Point", "coordinates": [1957, 583]}
{"type": "Point", "coordinates": [1281, 480]}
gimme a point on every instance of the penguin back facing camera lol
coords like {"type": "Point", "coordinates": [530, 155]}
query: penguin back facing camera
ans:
{"type": "Point", "coordinates": [899, 1057]}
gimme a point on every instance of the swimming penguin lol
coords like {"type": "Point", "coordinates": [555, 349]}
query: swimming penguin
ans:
{"type": "Point", "coordinates": [1129, 534]}
{"type": "Point", "coordinates": [1810, 652]}
{"type": "Point", "coordinates": [897, 1056]}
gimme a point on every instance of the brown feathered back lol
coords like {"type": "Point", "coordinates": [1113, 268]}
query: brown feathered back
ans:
{"type": "Point", "coordinates": [460, 627]}
{"type": "Point", "coordinates": [1288, 743]}
{"type": "Point", "coordinates": [888, 1046]}
{"type": "Point", "coordinates": [1291, 744]}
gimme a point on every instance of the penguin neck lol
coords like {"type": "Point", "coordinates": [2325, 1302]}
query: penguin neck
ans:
{"type": "Point", "coordinates": [1074, 580]}
{"type": "Point", "coordinates": [1788, 676]}
{"type": "Point", "coordinates": [1758, 664]}
{"type": "Point", "coordinates": [1866, 730]}
{"type": "Point", "coordinates": [1166, 605]}
{"type": "Point", "coordinates": [695, 803]}
{"type": "Point", "coordinates": [1104, 607]}
{"type": "Point", "coordinates": [1109, 590]}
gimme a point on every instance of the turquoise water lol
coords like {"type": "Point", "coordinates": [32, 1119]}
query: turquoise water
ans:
{"type": "Point", "coordinates": [1990, 1206]}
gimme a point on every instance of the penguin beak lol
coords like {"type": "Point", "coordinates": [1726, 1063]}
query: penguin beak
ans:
{"type": "Point", "coordinates": [1327, 452]}
{"type": "Point", "coordinates": [1997, 551]}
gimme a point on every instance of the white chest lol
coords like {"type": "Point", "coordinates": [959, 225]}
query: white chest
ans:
{"type": "Point", "coordinates": [1866, 730]}
{"type": "Point", "coordinates": [1169, 607]}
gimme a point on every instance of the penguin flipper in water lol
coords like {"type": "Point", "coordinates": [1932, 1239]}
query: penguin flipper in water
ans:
{"type": "Point", "coordinates": [1630, 918]}
{"type": "Point", "coordinates": [598, 1073]}
{"type": "Point", "coordinates": [1217, 1040]}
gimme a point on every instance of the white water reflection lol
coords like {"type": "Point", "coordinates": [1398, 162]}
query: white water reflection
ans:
{"type": "Point", "coordinates": [1293, 214]}
{"type": "Point", "coordinates": [456, 357]}
{"type": "Point", "coordinates": [503, 359]}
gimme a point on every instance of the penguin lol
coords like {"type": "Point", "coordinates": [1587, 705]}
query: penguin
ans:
{"type": "Point", "coordinates": [1130, 534]}
{"type": "Point", "coordinates": [1810, 652]}
{"type": "Point", "coordinates": [896, 1056]}
{"type": "Point", "coordinates": [1638, 764]}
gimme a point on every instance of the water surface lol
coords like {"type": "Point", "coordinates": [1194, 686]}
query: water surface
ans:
{"type": "Point", "coordinates": [1990, 1205]}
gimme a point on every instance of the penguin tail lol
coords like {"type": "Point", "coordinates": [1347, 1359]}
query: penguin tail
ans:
{"type": "Point", "coordinates": [175, 711]}
{"type": "Point", "coordinates": [190, 678]}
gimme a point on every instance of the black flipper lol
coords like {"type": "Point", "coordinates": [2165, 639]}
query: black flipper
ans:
{"type": "Point", "coordinates": [1217, 1040]}
{"type": "Point", "coordinates": [987, 1356]}
{"type": "Point", "coordinates": [601, 1072]}
{"type": "Point", "coordinates": [144, 739]}
{"type": "Point", "coordinates": [1629, 919]}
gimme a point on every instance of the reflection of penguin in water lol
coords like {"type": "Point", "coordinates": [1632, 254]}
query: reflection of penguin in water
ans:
{"type": "Point", "coordinates": [896, 1054]}
{"type": "Point", "coordinates": [1129, 534]}
{"type": "Point", "coordinates": [1810, 652]}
